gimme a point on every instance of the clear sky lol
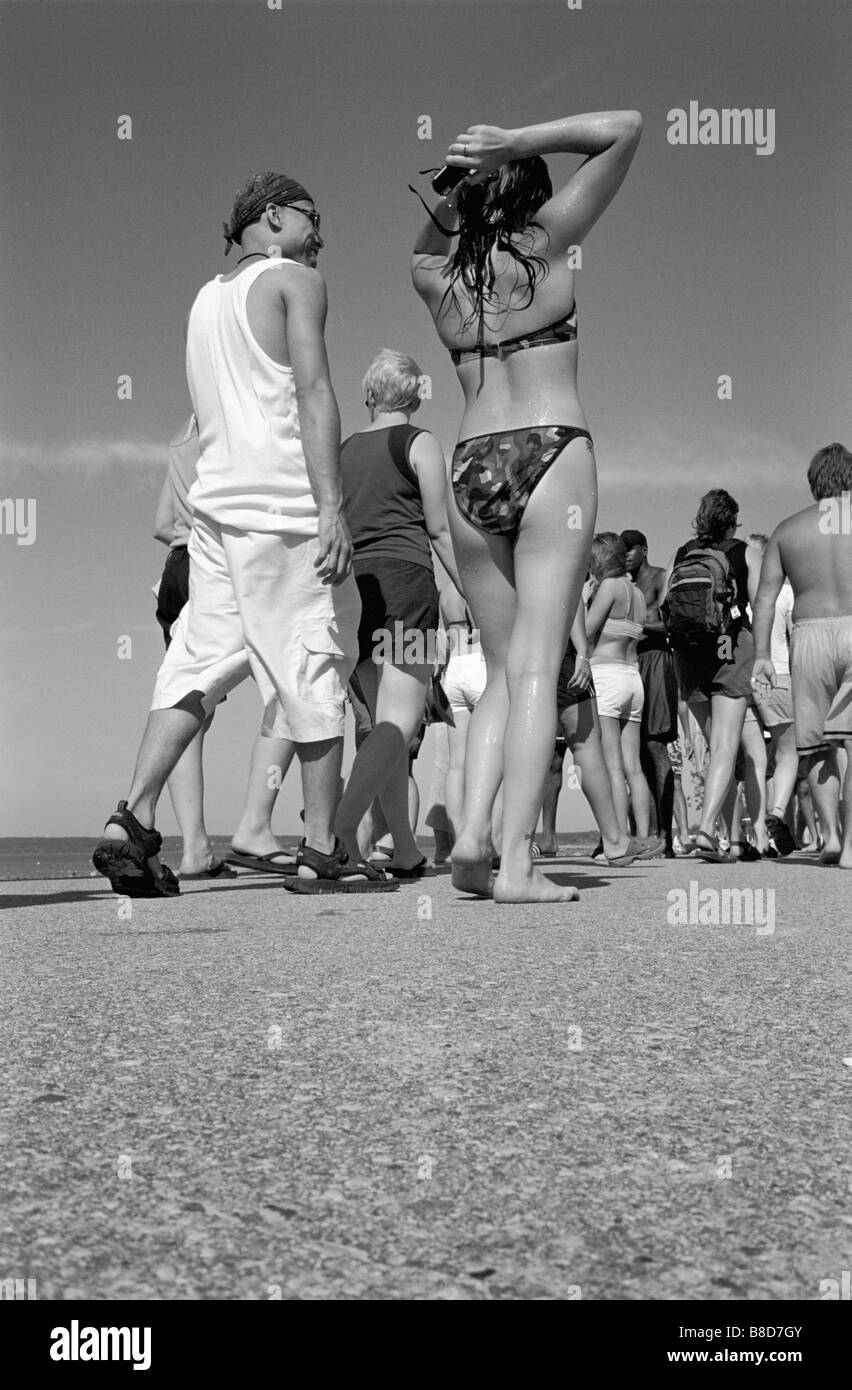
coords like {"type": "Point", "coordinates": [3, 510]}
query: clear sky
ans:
{"type": "Point", "coordinates": [712, 260]}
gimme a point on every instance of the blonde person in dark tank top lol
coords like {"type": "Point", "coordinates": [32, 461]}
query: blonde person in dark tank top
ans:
{"type": "Point", "coordinates": [394, 491]}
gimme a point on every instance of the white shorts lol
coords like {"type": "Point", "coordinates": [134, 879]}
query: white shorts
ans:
{"type": "Point", "coordinates": [257, 607]}
{"type": "Point", "coordinates": [619, 690]}
{"type": "Point", "coordinates": [464, 680]}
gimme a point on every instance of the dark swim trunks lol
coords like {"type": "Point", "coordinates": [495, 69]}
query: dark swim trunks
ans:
{"type": "Point", "coordinates": [659, 679]}
{"type": "Point", "coordinates": [565, 698]}
{"type": "Point", "coordinates": [173, 592]}
{"type": "Point", "coordinates": [495, 475]}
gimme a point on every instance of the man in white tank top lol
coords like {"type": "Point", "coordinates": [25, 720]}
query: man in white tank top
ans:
{"type": "Point", "coordinates": [271, 590]}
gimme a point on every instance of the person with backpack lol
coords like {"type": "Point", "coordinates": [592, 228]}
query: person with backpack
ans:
{"type": "Point", "coordinates": [711, 581]}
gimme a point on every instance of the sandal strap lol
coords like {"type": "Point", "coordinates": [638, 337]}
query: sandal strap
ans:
{"type": "Point", "coordinates": [150, 842]}
{"type": "Point", "coordinates": [324, 865]}
{"type": "Point", "coordinates": [338, 865]}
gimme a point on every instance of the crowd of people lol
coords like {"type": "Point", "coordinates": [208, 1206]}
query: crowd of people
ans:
{"type": "Point", "coordinates": [310, 565]}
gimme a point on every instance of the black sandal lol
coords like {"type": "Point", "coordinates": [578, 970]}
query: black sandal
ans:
{"type": "Point", "coordinates": [334, 873]}
{"type": "Point", "coordinates": [125, 862]}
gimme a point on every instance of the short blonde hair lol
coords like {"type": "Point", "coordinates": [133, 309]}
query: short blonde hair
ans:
{"type": "Point", "coordinates": [393, 381]}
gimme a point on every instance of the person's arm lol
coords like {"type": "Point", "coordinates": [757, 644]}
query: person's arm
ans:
{"type": "Point", "coordinates": [599, 609]}
{"type": "Point", "coordinates": [656, 626]}
{"type": "Point", "coordinates": [432, 247]}
{"type": "Point", "coordinates": [304, 295]}
{"type": "Point", "coordinates": [609, 139]}
{"type": "Point", "coordinates": [763, 607]}
{"type": "Point", "coordinates": [582, 676]}
{"type": "Point", "coordinates": [427, 460]}
{"type": "Point", "coordinates": [164, 519]}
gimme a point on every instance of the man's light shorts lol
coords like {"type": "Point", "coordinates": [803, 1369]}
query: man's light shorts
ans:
{"type": "Point", "coordinates": [776, 710]}
{"type": "Point", "coordinates": [821, 671]}
{"type": "Point", "coordinates": [257, 606]}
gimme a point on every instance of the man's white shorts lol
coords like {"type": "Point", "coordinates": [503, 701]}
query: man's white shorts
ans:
{"type": "Point", "coordinates": [257, 606]}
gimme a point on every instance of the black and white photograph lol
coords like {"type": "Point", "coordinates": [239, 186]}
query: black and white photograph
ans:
{"type": "Point", "coordinates": [426, 544]}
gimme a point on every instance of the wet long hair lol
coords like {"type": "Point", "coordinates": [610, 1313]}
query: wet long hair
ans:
{"type": "Point", "coordinates": [495, 211]}
{"type": "Point", "coordinates": [717, 510]}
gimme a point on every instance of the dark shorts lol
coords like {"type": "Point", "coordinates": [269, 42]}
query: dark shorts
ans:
{"type": "Point", "coordinates": [174, 589]}
{"type": "Point", "coordinates": [565, 698]}
{"type": "Point", "coordinates": [701, 673]}
{"type": "Point", "coordinates": [396, 591]}
{"type": "Point", "coordinates": [659, 680]}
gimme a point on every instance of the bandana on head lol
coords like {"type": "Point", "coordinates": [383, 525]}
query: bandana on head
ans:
{"type": "Point", "coordinates": [251, 199]}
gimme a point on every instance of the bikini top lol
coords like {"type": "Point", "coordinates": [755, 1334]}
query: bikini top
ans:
{"type": "Point", "coordinates": [563, 331]}
{"type": "Point", "coordinates": [623, 627]}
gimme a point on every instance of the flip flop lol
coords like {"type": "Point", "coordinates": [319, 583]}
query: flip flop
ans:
{"type": "Point", "coordinates": [334, 873]}
{"type": "Point", "coordinates": [125, 862]}
{"type": "Point", "coordinates": [715, 854]}
{"type": "Point", "coordinates": [218, 869]}
{"type": "Point", "coordinates": [263, 863]}
{"type": "Point", "coordinates": [748, 853]}
{"type": "Point", "coordinates": [416, 870]}
{"type": "Point", "coordinates": [646, 847]}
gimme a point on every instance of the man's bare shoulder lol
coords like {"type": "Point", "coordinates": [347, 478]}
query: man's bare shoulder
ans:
{"type": "Point", "coordinates": [294, 283]}
{"type": "Point", "coordinates": [798, 526]}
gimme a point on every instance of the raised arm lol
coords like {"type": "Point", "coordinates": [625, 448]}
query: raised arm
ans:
{"type": "Point", "coordinates": [432, 247]}
{"type": "Point", "coordinates": [304, 298]}
{"type": "Point", "coordinates": [609, 140]}
{"type": "Point", "coordinates": [427, 460]}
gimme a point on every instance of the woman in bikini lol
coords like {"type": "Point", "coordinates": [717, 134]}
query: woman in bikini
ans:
{"type": "Point", "coordinates": [495, 268]}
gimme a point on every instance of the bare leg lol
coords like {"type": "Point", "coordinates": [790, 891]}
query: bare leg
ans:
{"type": "Point", "coordinates": [550, 563]}
{"type": "Point", "coordinates": [581, 726]}
{"type": "Point", "coordinates": [754, 747]}
{"type": "Point", "coordinates": [846, 852]}
{"type": "Point", "coordinates": [726, 726]}
{"type": "Point", "coordinates": [825, 791]}
{"type": "Point", "coordinates": [167, 735]}
{"type": "Point", "coordinates": [657, 767]}
{"type": "Point", "coordinates": [548, 843]}
{"type": "Point", "coordinates": [186, 789]}
{"type": "Point", "coordinates": [270, 763]}
{"type": "Point", "coordinates": [611, 747]}
{"type": "Point", "coordinates": [640, 795]}
{"type": "Point", "coordinates": [806, 805]}
{"type": "Point", "coordinates": [381, 765]}
{"type": "Point", "coordinates": [320, 763]}
{"type": "Point", "coordinates": [487, 573]}
{"type": "Point", "coordinates": [786, 768]}
{"type": "Point", "coordinates": [454, 786]}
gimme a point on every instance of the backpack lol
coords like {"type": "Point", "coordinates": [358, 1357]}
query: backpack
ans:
{"type": "Point", "coordinates": [697, 609]}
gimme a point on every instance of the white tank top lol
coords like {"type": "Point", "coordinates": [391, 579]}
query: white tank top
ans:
{"type": "Point", "coordinates": [251, 469]}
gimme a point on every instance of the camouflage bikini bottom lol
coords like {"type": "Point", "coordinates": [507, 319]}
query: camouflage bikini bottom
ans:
{"type": "Point", "coordinates": [494, 475]}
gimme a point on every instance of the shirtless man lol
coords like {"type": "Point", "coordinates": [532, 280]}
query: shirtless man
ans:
{"type": "Point", "coordinates": [813, 549]}
{"type": "Point", "coordinates": [271, 590]}
{"type": "Point", "coordinates": [657, 669]}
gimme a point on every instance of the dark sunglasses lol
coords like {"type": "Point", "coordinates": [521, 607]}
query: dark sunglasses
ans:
{"type": "Point", "coordinates": [313, 217]}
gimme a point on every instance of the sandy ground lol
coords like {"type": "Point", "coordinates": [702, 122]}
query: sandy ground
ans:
{"type": "Point", "coordinates": [241, 1094]}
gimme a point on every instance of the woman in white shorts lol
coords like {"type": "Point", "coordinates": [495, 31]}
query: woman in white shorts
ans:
{"type": "Point", "coordinates": [615, 624]}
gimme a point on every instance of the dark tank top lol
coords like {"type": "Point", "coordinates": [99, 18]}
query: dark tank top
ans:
{"type": "Point", "coordinates": [381, 497]}
{"type": "Point", "coordinates": [735, 553]}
